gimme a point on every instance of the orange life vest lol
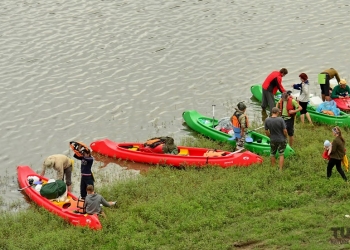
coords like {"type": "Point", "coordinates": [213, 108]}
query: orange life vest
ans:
{"type": "Point", "coordinates": [235, 120]}
{"type": "Point", "coordinates": [289, 105]}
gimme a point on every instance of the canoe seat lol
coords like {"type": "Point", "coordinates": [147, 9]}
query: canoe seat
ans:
{"type": "Point", "coordinates": [134, 148]}
{"type": "Point", "coordinates": [80, 206]}
{"type": "Point", "coordinates": [183, 151]}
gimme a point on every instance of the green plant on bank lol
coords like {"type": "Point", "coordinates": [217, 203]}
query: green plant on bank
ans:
{"type": "Point", "coordinates": [256, 207]}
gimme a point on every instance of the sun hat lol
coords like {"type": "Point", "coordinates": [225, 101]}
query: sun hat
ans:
{"type": "Point", "coordinates": [342, 82]}
{"type": "Point", "coordinates": [326, 143]}
{"type": "Point", "coordinates": [49, 162]}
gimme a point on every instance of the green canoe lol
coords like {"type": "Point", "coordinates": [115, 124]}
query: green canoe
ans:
{"type": "Point", "coordinates": [205, 126]}
{"type": "Point", "coordinates": [343, 120]}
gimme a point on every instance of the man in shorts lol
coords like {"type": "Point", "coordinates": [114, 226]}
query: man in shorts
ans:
{"type": "Point", "coordinates": [275, 128]}
{"type": "Point", "coordinates": [289, 107]}
{"type": "Point", "coordinates": [323, 80]}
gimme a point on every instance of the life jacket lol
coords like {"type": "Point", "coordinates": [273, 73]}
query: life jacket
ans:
{"type": "Point", "coordinates": [289, 106]}
{"type": "Point", "coordinates": [237, 125]}
{"type": "Point", "coordinates": [213, 153]}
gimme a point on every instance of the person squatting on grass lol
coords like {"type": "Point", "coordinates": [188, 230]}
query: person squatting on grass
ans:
{"type": "Point", "coordinates": [304, 97]}
{"type": "Point", "coordinates": [63, 166]}
{"type": "Point", "coordinates": [337, 154]}
{"type": "Point", "coordinates": [289, 107]}
{"type": "Point", "coordinates": [275, 128]}
{"type": "Point", "coordinates": [87, 177]}
{"type": "Point", "coordinates": [94, 200]}
{"type": "Point", "coordinates": [240, 123]}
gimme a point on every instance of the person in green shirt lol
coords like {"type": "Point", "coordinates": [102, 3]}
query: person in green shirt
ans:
{"type": "Point", "coordinates": [340, 91]}
{"type": "Point", "coordinates": [289, 107]}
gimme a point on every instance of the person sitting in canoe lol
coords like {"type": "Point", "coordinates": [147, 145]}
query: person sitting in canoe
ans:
{"type": "Point", "coordinates": [340, 91]}
{"type": "Point", "coordinates": [94, 200]}
{"type": "Point", "coordinates": [240, 123]}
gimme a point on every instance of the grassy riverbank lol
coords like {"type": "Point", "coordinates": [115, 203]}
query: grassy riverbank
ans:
{"type": "Point", "coordinates": [211, 208]}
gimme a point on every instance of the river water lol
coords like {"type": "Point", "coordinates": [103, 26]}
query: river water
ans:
{"type": "Point", "coordinates": [126, 70]}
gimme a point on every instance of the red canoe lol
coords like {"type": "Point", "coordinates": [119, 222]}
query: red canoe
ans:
{"type": "Point", "coordinates": [68, 210]}
{"type": "Point", "coordinates": [343, 103]}
{"type": "Point", "coordinates": [188, 156]}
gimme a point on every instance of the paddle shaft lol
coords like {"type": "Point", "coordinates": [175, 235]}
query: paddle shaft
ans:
{"type": "Point", "coordinates": [213, 114]}
{"type": "Point", "coordinates": [257, 128]}
{"type": "Point", "coordinates": [20, 189]}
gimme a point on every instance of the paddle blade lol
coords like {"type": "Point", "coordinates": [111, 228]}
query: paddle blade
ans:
{"type": "Point", "coordinates": [249, 139]}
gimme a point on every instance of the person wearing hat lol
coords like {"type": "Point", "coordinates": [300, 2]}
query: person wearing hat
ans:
{"type": "Point", "coordinates": [341, 90]}
{"type": "Point", "coordinates": [271, 85]}
{"type": "Point", "coordinates": [240, 123]}
{"type": "Point", "coordinates": [63, 166]}
{"type": "Point", "coordinates": [275, 128]}
{"type": "Point", "coordinates": [289, 108]}
{"type": "Point", "coordinates": [303, 97]}
{"type": "Point", "coordinates": [87, 177]}
{"type": "Point", "coordinates": [323, 80]}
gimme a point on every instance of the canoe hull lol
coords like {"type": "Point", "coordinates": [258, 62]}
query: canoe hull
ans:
{"type": "Point", "coordinates": [134, 151]}
{"type": "Point", "coordinates": [343, 103]}
{"type": "Point", "coordinates": [343, 120]}
{"type": "Point", "coordinates": [204, 126]}
{"type": "Point", "coordinates": [66, 209]}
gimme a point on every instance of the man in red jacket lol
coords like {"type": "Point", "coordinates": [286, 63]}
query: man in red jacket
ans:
{"type": "Point", "coordinates": [272, 83]}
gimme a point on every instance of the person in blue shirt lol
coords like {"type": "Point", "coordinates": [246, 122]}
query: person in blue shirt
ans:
{"type": "Point", "coordinates": [87, 177]}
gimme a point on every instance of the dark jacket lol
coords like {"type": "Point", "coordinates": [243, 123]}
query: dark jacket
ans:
{"type": "Point", "coordinates": [86, 164]}
{"type": "Point", "coordinates": [338, 149]}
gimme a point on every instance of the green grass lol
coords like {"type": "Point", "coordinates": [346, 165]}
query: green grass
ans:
{"type": "Point", "coordinates": [210, 208]}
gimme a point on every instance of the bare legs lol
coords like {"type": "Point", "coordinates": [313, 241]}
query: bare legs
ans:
{"type": "Point", "coordinates": [302, 118]}
{"type": "Point", "coordinates": [280, 163]}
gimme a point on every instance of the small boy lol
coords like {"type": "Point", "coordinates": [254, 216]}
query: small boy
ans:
{"type": "Point", "coordinates": [94, 201]}
{"type": "Point", "coordinates": [327, 145]}
{"type": "Point", "coordinates": [240, 124]}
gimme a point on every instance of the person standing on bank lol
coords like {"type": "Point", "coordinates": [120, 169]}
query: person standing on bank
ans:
{"type": "Point", "coordinates": [240, 124]}
{"type": "Point", "coordinates": [323, 80]}
{"type": "Point", "coordinates": [63, 166]}
{"type": "Point", "coordinates": [337, 154]}
{"type": "Point", "coordinates": [304, 97]}
{"type": "Point", "coordinates": [272, 83]}
{"type": "Point", "coordinates": [87, 177]}
{"type": "Point", "coordinates": [275, 128]}
{"type": "Point", "coordinates": [289, 107]}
